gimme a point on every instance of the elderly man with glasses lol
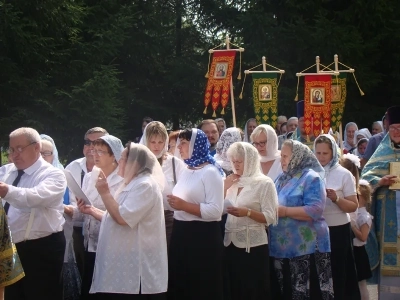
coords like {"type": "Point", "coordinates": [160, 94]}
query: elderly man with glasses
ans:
{"type": "Point", "coordinates": [78, 169]}
{"type": "Point", "coordinates": [32, 192]}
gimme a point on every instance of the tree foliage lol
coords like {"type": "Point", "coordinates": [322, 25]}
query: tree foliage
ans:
{"type": "Point", "coordinates": [69, 65]}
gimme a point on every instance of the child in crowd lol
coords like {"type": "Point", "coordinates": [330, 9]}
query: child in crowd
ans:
{"type": "Point", "coordinates": [361, 227]}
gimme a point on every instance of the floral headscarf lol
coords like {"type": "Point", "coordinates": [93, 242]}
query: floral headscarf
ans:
{"type": "Point", "coordinates": [302, 159]}
{"type": "Point", "coordinates": [227, 138]}
{"type": "Point", "coordinates": [199, 151]}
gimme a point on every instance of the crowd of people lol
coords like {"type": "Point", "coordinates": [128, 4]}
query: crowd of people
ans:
{"type": "Point", "coordinates": [204, 213]}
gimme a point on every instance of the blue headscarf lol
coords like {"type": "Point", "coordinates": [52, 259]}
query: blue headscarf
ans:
{"type": "Point", "coordinates": [199, 151]}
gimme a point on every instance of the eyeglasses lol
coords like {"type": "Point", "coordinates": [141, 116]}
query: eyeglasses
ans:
{"type": "Point", "coordinates": [394, 129]}
{"type": "Point", "coordinates": [260, 144]}
{"type": "Point", "coordinates": [98, 152]}
{"type": "Point", "coordinates": [18, 149]}
{"type": "Point", "coordinates": [46, 153]}
{"type": "Point", "coordinates": [88, 142]}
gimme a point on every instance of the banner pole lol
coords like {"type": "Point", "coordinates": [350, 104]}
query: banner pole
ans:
{"type": "Point", "coordinates": [231, 88]}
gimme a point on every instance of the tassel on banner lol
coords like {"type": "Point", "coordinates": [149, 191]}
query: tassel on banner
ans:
{"type": "Point", "coordinates": [223, 111]}
{"type": "Point", "coordinates": [240, 66]}
{"type": "Point", "coordinates": [208, 66]}
{"type": "Point", "coordinates": [296, 98]}
{"type": "Point", "coordinates": [214, 115]}
{"type": "Point", "coordinates": [355, 79]}
{"type": "Point", "coordinates": [205, 110]}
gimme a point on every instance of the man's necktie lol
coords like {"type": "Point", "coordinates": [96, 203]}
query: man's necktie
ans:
{"type": "Point", "coordinates": [15, 183]}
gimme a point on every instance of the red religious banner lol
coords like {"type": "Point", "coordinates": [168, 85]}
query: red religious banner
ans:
{"type": "Point", "coordinates": [317, 104]}
{"type": "Point", "coordinates": [219, 80]}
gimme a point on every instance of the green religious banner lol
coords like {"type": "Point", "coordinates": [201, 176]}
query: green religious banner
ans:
{"type": "Point", "coordinates": [265, 98]}
{"type": "Point", "coordinates": [338, 99]}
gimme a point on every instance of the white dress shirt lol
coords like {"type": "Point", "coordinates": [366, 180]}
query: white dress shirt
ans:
{"type": "Point", "coordinates": [41, 188]}
{"type": "Point", "coordinates": [133, 256]}
{"type": "Point", "coordinates": [76, 167]}
{"type": "Point", "coordinates": [91, 226]}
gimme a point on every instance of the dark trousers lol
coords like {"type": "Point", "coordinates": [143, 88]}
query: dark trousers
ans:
{"type": "Point", "coordinates": [90, 259]}
{"type": "Point", "coordinates": [79, 249]}
{"type": "Point", "coordinates": [42, 260]}
{"type": "Point", "coordinates": [106, 296]}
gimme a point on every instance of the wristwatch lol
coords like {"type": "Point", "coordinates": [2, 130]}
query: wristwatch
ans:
{"type": "Point", "coordinates": [337, 199]}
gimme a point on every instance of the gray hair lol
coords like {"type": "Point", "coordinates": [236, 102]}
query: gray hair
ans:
{"type": "Point", "coordinates": [95, 130]}
{"type": "Point", "coordinates": [288, 143]}
{"type": "Point", "coordinates": [31, 134]}
{"type": "Point", "coordinates": [293, 118]}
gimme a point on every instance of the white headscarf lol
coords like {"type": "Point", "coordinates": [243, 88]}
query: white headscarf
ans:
{"type": "Point", "coordinates": [227, 138]}
{"type": "Point", "coordinates": [144, 141]}
{"type": "Point", "coordinates": [246, 135]}
{"type": "Point", "coordinates": [345, 142]}
{"type": "Point", "coordinates": [115, 145]}
{"type": "Point", "coordinates": [272, 142]}
{"type": "Point", "coordinates": [363, 132]}
{"type": "Point", "coordinates": [56, 162]}
{"type": "Point", "coordinates": [252, 171]}
{"type": "Point", "coordinates": [141, 160]}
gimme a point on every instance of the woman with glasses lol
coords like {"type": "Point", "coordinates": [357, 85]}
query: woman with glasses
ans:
{"type": "Point", "coordinates": [106, 153]}
{"type": "Point", "coordinates": [265, 140]}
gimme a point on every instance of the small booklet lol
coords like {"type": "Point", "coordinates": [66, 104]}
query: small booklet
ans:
{"type": "Point", "coordinates": [75, 188]}
{"type": "Point", "coordinates": [227, 203]}
{"type": "Point", "coordinates": [394, 169]}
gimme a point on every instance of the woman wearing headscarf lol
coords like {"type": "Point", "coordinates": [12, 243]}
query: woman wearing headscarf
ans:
{"type": "Point", "coordinates": [71, 276]}
{"type": "Point", "coordinates": [107, 152]}
{"type": "Point", "coordinates": [341, 200]}
{"type": "Point", "coordinates": [265, 140]}
{"type": "Point", "coordinates": [227, 138]}
{"type": "Point", "coordinates": [362, 134]}
{"type": "Point", "coordinates": [251, 124]}
{"type": "Point", "coordinates": [131, 261]}
{"type": "Point", "coordinates": [221, 124]}
{"type": "Point", "coordinates": [255, 206]}
{"type": "Point", "coordinates": [195, 252]}
{"type": "Point", "coordinates": [377, 127]}
{"type": "Point", "coordinates": [155, 137]}
{"type": "Point", "coordinates": [349, 142]}
{"type": "Point", "coordinates": [299, 244]}
{"type": "Point", "coordinates": [49, 151]}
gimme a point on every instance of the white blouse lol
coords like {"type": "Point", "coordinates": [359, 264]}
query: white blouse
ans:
{"type": "Point", "coordinates": [245, 232]}
{"type": "Point", "coordinates": [135, 255]}
{"type": "Point", "coordinates": [343, 182]}
{"type": "Point", "coordinates": [204, 187]}
{"type": "Point", "coordinates": [91, 226]}
{"type": "Point", "coordinates": [362, 217]}
{"type": "Point", "coordinates": [275, 169]}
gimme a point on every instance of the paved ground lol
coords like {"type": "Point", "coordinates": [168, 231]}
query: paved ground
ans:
{"type": "Point", "coordinates": [373, 292]}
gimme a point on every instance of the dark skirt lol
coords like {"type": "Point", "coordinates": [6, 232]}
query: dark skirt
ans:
{"type": "Point", "coordinates": [195, 261]}
{"type": "Point", "coordinates": [362, 263]}
{"type": "Point", "coordinates": [255, 283]}
{"type": "Point", "coordinates": [303, 277]}
{"type": "Point", "coordinates": [345, 283]}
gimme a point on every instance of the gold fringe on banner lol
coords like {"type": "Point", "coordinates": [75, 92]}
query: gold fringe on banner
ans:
{"type": "Point", "coordinates": [205, 111]}
{"type": "Point", "coordinates": [214, 115]}
{"type": "Point", "coordinates": [223, 111]}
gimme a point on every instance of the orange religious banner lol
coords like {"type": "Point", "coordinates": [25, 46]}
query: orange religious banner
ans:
{"type": "Point", "coordinates": [219, 80]}
{"type": "Point", "coordinates": [317, 104]}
